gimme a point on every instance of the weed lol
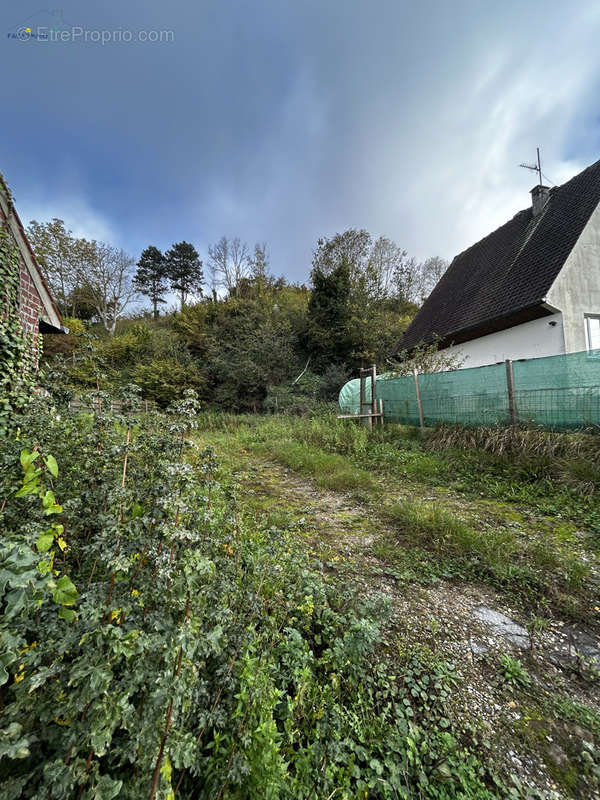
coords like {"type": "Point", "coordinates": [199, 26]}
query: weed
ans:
{"type": "Point", "coordinates": [572, 711]}
{"type": "Point", "coordinates": [536, 626]}
{"type": "Point", "coordinates": [581, 475]}
{"type": "Point", "coordinates": [512, 673]}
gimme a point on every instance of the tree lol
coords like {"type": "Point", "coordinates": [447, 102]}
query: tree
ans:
{"type": "Point", "coordinates": [151, 276]}
{"type": "Point", "coordinates": [259, 268]}
{"type": "Point", "coordinates": [242, 347]}
{"type": "Point", "coordinates": [424, 358]}
{"type": "Point", "coordinates": [430, 272]}
{"type": "Point", "coordinates": [379, 270]}
{"type": "Point", "coordinates": [259, 262]}
{"type": "Point", "coordinates": [329, 332]}
{"type": "Point", "coordinates": [52, 244]}
{"type": "Point", "coordinates": [80, 302]}
{"type": "Point", "coordinates": [184, 270]}
{"type": "Point", "coordinates": [230, 263]}
{"type": "Point", "coordinates": [65, 261]}
{"type": "Point", "coordinates": [110, 283]}
{"type": "Point", "coordinates": [380, 284]}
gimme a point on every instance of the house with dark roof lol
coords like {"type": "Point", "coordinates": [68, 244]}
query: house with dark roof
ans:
{"type": "Point", "coordinates": [38, 311]}
{"type": "Point", "coordinates": [529, 289]}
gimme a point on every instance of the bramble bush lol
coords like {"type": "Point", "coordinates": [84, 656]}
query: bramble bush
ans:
{"type": "Point", "coordinates": [158, 644]}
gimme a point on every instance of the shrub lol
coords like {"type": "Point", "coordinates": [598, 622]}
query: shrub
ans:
{"type": "Point", "coordinates": [165, 381]}
{"type": "Point", "coordinates": [158, 643]}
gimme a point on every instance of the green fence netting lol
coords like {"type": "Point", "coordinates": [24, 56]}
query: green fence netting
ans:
{"type": "Point", "coordinates": [556, 392]}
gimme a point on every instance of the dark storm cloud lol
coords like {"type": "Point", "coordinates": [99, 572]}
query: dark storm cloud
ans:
{"type": "Point", "coordinates": [286, 121]}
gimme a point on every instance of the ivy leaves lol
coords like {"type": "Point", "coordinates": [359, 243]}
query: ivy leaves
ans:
{"type": "Point", "coordinates": [19, 350]}
{"type": "Point", "coordinates": [29, 575]}
{"type": "Point", "coordinates": [193, 653]}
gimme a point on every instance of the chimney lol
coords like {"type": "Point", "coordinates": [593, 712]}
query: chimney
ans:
{"type": "Point", "coordinates": [539, 198]}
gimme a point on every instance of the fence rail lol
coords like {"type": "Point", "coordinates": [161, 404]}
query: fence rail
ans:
{"type": "Point", "coordinates": [555, 392]}
{"type": "Point", "coordinates": [78, 404]}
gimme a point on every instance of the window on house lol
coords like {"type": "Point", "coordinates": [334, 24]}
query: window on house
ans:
{"type": "Point", "coordinates": [592, 331]}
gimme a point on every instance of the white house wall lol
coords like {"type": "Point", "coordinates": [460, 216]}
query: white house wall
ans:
{"type": "Point", "coordinates": [530, 340]}
{"type": "Point", "coordinates": [576, 290]}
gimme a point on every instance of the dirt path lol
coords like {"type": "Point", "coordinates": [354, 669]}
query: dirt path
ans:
{"type": "Point", "coordinates": [469, 624]}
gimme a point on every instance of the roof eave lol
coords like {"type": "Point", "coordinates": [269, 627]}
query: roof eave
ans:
{"type": "Point", "coordinates": [540, 308]}
{"type": "Point", "coordinates": [47, 327]}
{"type": "Point", "coordinates": [51, 315]}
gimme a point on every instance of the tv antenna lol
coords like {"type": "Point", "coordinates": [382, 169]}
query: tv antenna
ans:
{"type": "Point", "coordinates": [535, 167]}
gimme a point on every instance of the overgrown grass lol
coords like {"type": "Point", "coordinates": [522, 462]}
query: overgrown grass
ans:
{"type": "Point", "coordinates": [515, 441]}
{"type": "Point", "coordinates": [528, 566]}
{"type": "Point", "coordinates": [328, 470]}
{"type": "Point", "coordinates": [534, 561]}
{"type": "Point", "coordinates": [566, 487]}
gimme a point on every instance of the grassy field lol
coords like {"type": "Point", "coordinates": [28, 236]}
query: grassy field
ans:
{"type": "Point", "coordinates": [448, 533]}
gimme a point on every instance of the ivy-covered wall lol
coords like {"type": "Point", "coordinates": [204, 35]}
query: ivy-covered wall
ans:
{"type": "Point", "coordinates": [19, 337]}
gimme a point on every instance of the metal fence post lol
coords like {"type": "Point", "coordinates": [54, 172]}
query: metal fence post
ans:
{"type": "Point", "coordinates": [510, 386]}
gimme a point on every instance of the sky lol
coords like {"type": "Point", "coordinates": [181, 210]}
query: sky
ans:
{"type": "Point", "coordinates": [286, 121]}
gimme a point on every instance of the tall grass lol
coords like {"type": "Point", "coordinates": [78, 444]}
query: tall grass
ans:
{"type": "Point", "coordinates": [572, 459]}
{"type": "Point", "coordinates": [511, 441]}
{"type": "Point", "coordinates": [327, 433]}
{"type": "Point", "coordinates": [329, 471]}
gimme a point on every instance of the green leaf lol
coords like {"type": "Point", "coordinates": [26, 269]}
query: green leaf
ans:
{"type": "Point", "coordinates": [28, 458]}
{"type": "Point", "coordinates": [48, 499]}
{"type": "Point", "coordinates": [15, 602]}
{"type": "Point", "coordinates": [50, 504]}
{"type": "Point", "coordinates": [29, 487]}
{"type": "Point", "coordinates": [55, 509]}
{"type": "Point", "coordinates": [52, 466]}
{"type": "Point", "coordinates": [67, 614]}
{"type": "Point", "coordinates": [65, 593]}
{"type": "Point", "coordinates": [44, 543]}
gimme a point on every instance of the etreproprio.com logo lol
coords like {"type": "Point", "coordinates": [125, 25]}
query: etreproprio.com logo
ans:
{"type": "Point", "coordinates": [77, 33]}
{"type": "Point", "coordinates": [50, 26]}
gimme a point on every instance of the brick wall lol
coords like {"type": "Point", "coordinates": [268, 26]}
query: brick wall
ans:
{"type": "Point", "coordinates": [30, 301]}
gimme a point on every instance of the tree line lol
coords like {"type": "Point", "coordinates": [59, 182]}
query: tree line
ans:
{"type": "Point", "coordinates": [242, 337]}
{"type": "Point", "coordinates": [95, 279]}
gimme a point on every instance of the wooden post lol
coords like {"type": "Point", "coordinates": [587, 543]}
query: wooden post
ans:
{"type": "Point", "coordinates": [373, 391]}
{"type": "Point", "coordinates": [419, 403]}
{"type": "Point", "coordinates": [362, 391]}
{"type": "Point", "coordinates": [368, 421]}
{"type": "Point", "coordinates": [365, 408]}
{"type": "Point", "coordinates": [380, 411]}
{"type": "Point", "coordinates": [510, 386]}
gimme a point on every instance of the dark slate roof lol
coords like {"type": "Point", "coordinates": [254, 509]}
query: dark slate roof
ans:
{"type": "Point", "coordinates": [502, 279]}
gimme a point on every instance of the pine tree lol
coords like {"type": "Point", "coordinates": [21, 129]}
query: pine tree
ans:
{"type": "Point", "coordinates": [151, 276]}
{"type": "Point", "coordinates": [329, 316]}
{"type": "Point", "coordinates": [184, 270]}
